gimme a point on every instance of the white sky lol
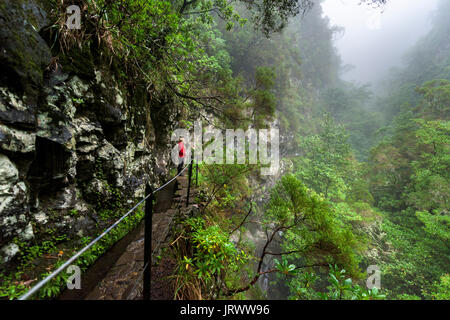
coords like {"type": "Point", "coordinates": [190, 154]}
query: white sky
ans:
{"type": "Point", "coordinates": [375, 40]}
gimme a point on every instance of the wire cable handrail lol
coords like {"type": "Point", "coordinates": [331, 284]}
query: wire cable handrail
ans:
{"type": "Point", "coordinates": [138, 277]}
{"type": "Point", "coordinates": [44, 281]}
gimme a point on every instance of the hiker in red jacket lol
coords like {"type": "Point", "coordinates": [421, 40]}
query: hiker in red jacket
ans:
{"type": "Point", "coordinates": [181, 153]}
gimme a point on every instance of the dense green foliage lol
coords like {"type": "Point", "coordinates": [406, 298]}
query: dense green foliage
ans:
{"type": "Point", "coordinates": [369, 175]}
{"type": "Point", "coordinates": [313, 232]}
{"type": "Point", "coordinates": [409, 168]}
{"type": "Point", "coordinates": [366, 175]}
{"type": "Point", "coordinates": [405, 174]}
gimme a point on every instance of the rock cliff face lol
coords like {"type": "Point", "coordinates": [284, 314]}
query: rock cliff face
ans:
{"type": "Point", "coordinates": [72, 136]}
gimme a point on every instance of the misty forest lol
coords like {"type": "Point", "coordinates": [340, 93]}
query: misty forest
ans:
{"type": "Point", "coordinates": [87, 116]}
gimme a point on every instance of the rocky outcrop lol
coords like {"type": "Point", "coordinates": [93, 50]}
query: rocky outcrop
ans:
{"type": "Point", "coordinates": [71, 139]}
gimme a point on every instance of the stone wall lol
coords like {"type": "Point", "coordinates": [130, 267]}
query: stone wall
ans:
{"type": "Point", "coordinates": [70, 132]}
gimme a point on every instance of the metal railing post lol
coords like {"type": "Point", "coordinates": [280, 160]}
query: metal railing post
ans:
{"type": "Point", "coordinates": [196, 174]}
{"type": "Point", "coordinates": [189, 178]}
{"type": "Point", "coordinates": [148, 242]}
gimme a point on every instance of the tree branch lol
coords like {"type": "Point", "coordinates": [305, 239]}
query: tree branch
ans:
{"type": "Point", "coordinates": [243, 221]}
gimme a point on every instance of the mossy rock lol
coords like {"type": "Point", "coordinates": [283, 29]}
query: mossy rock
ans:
{"type": "Point", "coordinates": [24, 54]}
{"type": "Point", "coordinates": [79, 61]}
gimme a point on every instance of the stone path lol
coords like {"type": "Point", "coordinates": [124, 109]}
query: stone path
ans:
{"type": "Point", "coordinates": [124, 279]}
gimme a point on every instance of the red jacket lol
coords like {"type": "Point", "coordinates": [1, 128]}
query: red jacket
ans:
{"type": "Point", "coordinates": [181, 149]}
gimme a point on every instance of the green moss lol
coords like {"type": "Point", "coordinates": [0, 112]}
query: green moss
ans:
{"type": "Point", "coordinates": [79, 61]}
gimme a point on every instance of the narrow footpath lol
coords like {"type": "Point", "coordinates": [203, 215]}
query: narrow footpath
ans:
{"type": "Point", "coordinates": [118, 274]}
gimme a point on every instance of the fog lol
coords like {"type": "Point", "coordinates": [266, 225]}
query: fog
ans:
{"type": "Point", "coordinates": [375, 40]}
